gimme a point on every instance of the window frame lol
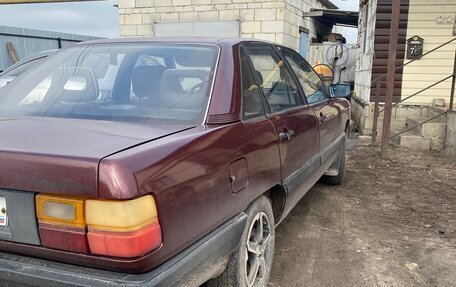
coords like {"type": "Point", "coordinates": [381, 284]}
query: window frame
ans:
{"type": "Point", "coordinates": [264, 105]}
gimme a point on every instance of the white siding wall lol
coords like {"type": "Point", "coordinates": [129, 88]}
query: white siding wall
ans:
{"type": "Point", "coordinates": [422, 21]}
{"type": "Point", "coordinates": [276, 21]}
{"type": "Point", "coordinates": [365, 51]}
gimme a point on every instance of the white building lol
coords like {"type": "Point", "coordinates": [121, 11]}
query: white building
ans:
{"type": "Point", "coordinates": [278, 21]}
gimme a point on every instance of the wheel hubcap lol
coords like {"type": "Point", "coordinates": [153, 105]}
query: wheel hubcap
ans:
{"type": "Point", "coordinates": [258, 241]}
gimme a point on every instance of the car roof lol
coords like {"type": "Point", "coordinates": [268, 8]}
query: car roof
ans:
{"type": "Point", "coordinates": [181, 40]}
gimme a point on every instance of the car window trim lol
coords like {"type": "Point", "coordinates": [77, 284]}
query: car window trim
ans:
{"type": "Point", "coordinates": [211, 91]}
{"type": "Point", "coordinates": [287, 110]}
{"type": "Point", "coordinates": [318, 103]}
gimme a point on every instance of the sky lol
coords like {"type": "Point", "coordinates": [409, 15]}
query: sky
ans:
{"type": "Point", "coordinates": [349, 33]}
{"type": "Point", "coordinates": [97, 18]}
{"type": "Point", "coordinates": [349, 5]}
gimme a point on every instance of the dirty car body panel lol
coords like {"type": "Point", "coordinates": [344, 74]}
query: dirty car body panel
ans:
{"type": "Point", "coordinates": [203, 168]}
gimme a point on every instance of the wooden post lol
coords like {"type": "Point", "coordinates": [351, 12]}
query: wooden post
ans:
{"type": "Point", "coordinates": [376, 109]}
{"type": "Point", "coordinates": [12, 52]}
{"type": "Point", "coordinates": [453, 83]}
{"type": "Point", "coordinates": [390, 76]}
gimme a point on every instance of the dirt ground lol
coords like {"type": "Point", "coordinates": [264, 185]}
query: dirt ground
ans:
{"type": "Point", "coordinates": [392, 223]}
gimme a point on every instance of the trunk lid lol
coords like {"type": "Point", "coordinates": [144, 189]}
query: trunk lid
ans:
{"type": "Point", "coordinates": [61, 156]}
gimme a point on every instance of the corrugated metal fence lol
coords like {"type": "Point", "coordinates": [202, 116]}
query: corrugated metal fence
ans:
{"type": "Point", "coordinates": [28, 42]}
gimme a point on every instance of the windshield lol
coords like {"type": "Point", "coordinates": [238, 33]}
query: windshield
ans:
{"type": "Point", "coordinates": [125, 81]}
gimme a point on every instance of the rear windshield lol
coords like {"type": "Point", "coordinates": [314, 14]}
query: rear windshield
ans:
{"type": "Point", "coordinates": [18, 70]}
{"type": "Point", "coordinates": [128, 82]}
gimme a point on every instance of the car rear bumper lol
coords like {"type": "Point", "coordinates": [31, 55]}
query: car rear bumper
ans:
{"type": "Point", "coordinates": [192, 267]}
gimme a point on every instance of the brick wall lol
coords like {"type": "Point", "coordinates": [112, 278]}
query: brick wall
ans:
{"type": "Point", "coordinates": [276, 21]}
{"type": "Point", "coordinates": [361, 112]}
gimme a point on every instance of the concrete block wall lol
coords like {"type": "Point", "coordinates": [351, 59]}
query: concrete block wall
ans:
{"type": "Point", "coordinates": [450, 141]}
{"type": "Point", "coordinates": [362, 115]}
{"type": "Point", "coordinates": [365, 50]}
{"type": "Point", "coordinates": [276, 21]}
{"type": "Point", "coordinates": [359, 112]}
{"type": "Point", "coordinates": [293, 11]}
{"type": "Point", "coordinates": [434, 131]}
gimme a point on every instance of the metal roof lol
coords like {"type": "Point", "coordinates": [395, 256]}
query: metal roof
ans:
{"type": "Point", "coordinates": [334, 17]}
{"type": "Point", "coordinates": [29, 41]}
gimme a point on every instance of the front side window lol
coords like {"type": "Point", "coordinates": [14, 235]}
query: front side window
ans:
{"type": "Point", "coordinates": [125, 81]}
{"type": "Point", "coordinates": [277, 84]}
{"type": "Point", "coordinates": [312, 86]}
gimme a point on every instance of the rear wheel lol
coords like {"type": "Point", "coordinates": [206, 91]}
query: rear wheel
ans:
{"type": "Point", "coordinates": [250, 265]}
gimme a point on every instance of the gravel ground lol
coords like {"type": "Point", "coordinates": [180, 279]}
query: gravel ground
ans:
{"type": "Point", "coordinates": [391, 223]}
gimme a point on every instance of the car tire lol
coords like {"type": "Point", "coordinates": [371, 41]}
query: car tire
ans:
{"type": "Point", "coordinates": [250, 265]}
{"type": "Point", "coordinates": [340, 165]}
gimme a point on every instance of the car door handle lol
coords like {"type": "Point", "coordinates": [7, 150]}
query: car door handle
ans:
{"type": "Point", "coordinates": [322, 118]}
{"type": "Point", "coordinates": [286, 135]}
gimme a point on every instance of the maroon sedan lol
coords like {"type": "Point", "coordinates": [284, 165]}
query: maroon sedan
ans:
{"type": "Point", "coordinates": [145, 162]}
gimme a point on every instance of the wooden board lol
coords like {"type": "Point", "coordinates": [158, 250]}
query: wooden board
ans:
{"type": "Point", "coordinates": [12, 52]}
{"type": "Point", "coordinates": [381, 46]}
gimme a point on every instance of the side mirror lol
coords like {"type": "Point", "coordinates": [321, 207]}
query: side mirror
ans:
{"type": "Point", "coordinates": [340, 91]}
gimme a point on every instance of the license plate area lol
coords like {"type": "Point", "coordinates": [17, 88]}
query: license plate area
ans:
{"type": "Point", "coordinates": [19, 220]}
{"type": "Point", "coordinates": [3, 212]}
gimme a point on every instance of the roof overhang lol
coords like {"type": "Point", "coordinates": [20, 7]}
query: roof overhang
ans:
{"type": "Point", "coordinates": [334, 17]}
{"type": "Point", "coordinates": [328, 4]}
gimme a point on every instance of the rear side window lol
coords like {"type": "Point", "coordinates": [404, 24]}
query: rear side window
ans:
{"type": "Point", "coordinates": [276, 82]}
{"type": "Point", "coordinates": [252, 106]}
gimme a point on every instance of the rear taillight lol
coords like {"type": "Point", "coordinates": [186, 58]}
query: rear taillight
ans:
{"type": "Point", "coordinates": [127, 228]}
{"type": "Point", "coordinates": [61, 223]}
{"type": "Point", "coordinates": [123, 229]}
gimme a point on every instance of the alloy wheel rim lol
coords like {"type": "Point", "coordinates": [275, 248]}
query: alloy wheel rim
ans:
{"type": "Point", "coordinates": [257, 252]}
